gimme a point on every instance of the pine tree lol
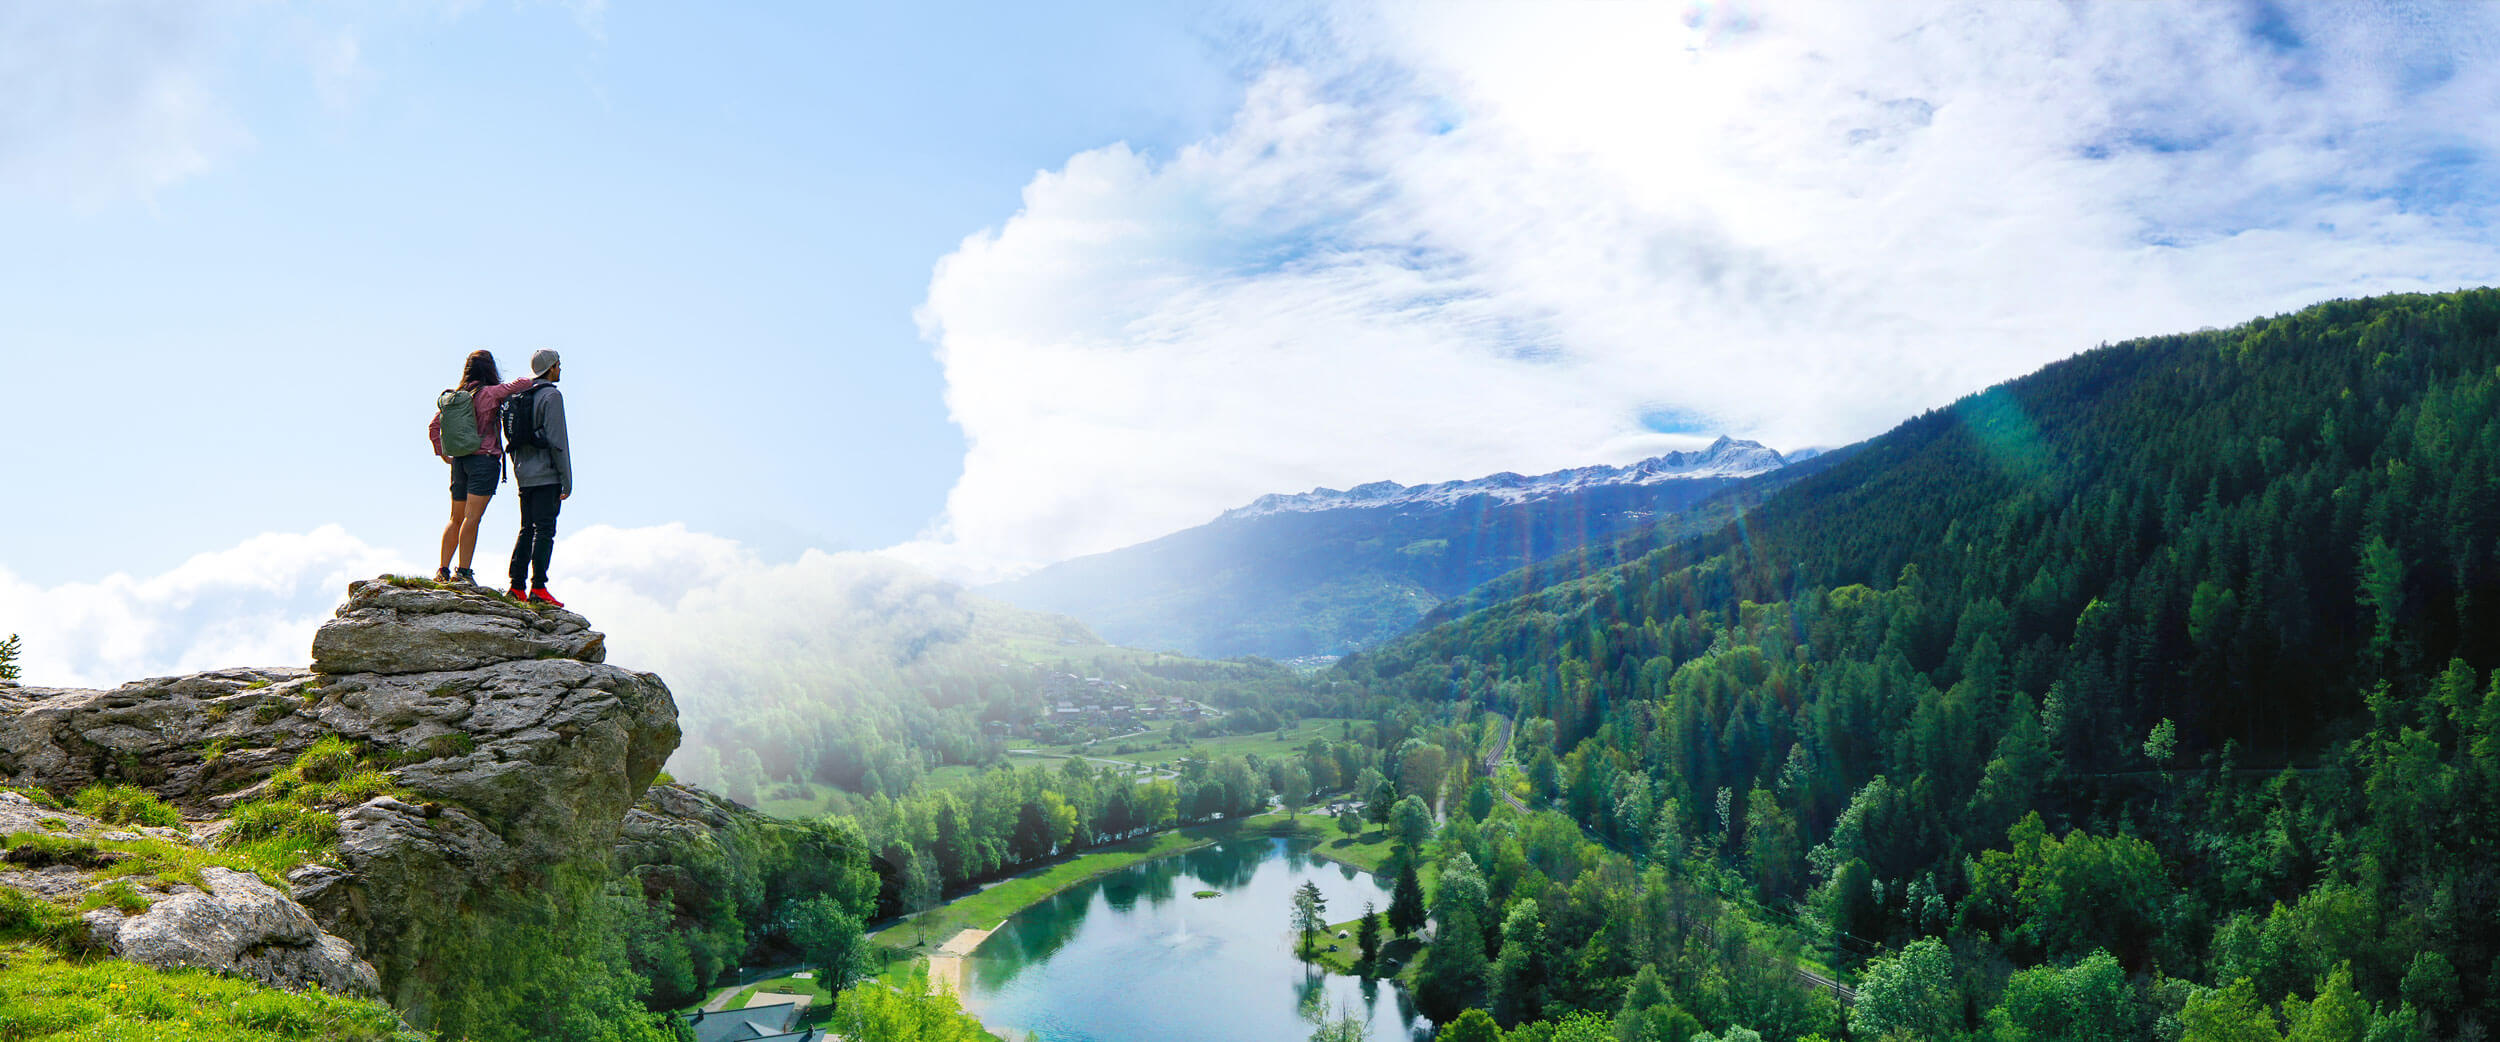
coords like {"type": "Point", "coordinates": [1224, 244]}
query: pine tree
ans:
{"type": "Point", "coordinates": [1406, 900]}
{"type": "Point", "coordinates": [1310, 912]}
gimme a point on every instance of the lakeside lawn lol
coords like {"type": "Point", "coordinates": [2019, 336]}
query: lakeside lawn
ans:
{"type": "Point", "coordinates": [987, 907]}
{"type": "Point", "coordinates": [1398, 952]}
{"type": "Point", "coordinates": [1367, 850]}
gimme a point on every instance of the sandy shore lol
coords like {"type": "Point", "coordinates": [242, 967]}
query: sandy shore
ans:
{"type": "Point", "coordinates": [946, 965]}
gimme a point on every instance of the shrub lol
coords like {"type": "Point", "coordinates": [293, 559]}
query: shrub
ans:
{"type": "Point", "coordinates": [125, 805]}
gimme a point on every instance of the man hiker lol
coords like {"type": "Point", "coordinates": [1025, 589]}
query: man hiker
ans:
{"type": "Point", "coordinates": [542, 464]}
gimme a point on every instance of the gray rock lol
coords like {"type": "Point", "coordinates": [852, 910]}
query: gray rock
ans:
{"type": "Point", "coordinates": [384, 628]}
{"type": "Point", "coordinates": [517, 748]}
{"type": "Point", "coordinates": [159, 733]}
{"type": "Point", "coordinates": [239, 925]}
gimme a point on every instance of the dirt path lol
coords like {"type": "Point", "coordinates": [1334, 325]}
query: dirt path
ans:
{"type": "Point", "coordinates": [946, 965]}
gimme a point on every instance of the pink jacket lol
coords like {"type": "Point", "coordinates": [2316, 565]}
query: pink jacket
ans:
{"type": "Point", "coordinates": [489, 429]}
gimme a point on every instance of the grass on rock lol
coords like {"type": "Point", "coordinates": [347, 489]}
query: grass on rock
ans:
{"type": "Point", "coordinates": [125, 805]}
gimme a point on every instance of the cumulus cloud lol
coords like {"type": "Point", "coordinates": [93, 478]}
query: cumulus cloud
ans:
{"type": "Point", "coordinates": [255, 604]}
{"type": "Point", "coordinates": [1448, 239]}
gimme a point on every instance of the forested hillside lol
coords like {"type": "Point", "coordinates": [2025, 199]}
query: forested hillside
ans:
{"type": "Point", "coordinates": [2150, 695]}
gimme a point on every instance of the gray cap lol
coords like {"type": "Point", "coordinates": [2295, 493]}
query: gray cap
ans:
{"type": "Point", "coordinates": [544, 360]}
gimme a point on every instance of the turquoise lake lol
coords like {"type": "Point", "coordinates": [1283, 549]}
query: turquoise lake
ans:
{"type": "Point", "coordinates": [1133, 957]}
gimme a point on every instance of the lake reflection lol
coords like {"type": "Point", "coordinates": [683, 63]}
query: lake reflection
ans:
{"type": "Point", "coordinates": [1133, 957]}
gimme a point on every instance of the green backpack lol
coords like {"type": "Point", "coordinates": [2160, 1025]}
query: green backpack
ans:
{"type": "Point", "coordinates": [457, 410]}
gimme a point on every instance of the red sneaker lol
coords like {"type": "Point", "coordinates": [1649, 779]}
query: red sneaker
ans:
{"type": "Point", "coordinates": [516, 593]}
{"type": "Point", "coordinates": [539, 595]}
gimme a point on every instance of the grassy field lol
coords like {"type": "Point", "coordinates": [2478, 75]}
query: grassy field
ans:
{"type": "Point", "coordinates": [791, 985]}
{"type": "Point", "coordinates": [807, 806]}
{"type": "Point", "coordinates": [1367, 850]}
{"type": "Point", "coordinates": [1156, 744]}
{"type": "Point", "coordinates": [1396, 953]}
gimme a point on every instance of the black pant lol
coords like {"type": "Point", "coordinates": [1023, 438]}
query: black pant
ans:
{"type": "Point", "coordinates": [539, 504]}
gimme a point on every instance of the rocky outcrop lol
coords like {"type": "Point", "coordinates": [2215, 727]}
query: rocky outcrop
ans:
{"type": "Point", "coordinates": [387, 628]}
{"type": "Point", "coordinates": [513, 748]}
{"type": "Point", "coordinates": [237, 923]}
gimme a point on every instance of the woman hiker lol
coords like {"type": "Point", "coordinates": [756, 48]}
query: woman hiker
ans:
{"type": "Point", "coordinates": [474, 475]}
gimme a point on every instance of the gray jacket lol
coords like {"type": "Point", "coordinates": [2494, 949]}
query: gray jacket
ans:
{"type": "Point", "coordinates": [552, 465]}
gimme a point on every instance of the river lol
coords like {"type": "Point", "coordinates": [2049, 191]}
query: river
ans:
{"type": "Point", "coordinates": [1133, 956]}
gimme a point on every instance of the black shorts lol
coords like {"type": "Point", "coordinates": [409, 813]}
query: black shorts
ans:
{"type": "Point", "coordinates": [475, 474]}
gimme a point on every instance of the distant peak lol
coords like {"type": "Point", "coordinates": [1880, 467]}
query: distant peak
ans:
{"type": "Point", "coordinates": [1724, 458]}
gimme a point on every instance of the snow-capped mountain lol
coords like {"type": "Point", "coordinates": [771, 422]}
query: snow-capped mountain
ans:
{"type": "Point", "coordinates": [1725, 458]}
{"type": "Point", "coordinates": [1325, 572]}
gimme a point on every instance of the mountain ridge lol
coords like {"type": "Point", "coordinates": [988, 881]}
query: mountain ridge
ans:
{"type": "Point", "coordinates": [1327, 572]}
{"type": "Point", "coordinates": [1725, 458]}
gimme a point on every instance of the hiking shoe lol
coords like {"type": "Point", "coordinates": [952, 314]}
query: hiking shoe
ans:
{"type": "Point", "coordinates": [516, 593]}
{"type": "Point", "coordinates": [539, 595]}
{"type": "Point", "coordinates": [442, 575]}
{"type": "Point", "coordinates": [464, 576]}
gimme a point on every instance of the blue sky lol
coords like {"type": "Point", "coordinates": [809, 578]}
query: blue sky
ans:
{"type": "Point", "coordinates": [724, 216]}
{"type": "Point", "coordinates": [981, 287]}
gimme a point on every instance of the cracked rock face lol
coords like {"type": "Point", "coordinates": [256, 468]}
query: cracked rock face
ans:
{"type": "Point", "coordinates": [520, 747]}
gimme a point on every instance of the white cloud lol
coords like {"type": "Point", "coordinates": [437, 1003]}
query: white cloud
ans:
{"type": "Point", "coordinates": [720, 623]}
{"type": "Point", "coordinates": [255, 604]}
{"type": "Point", "coordinates": [101, 102]}
{"type": "Point", "coordinates": [707, 614]}
{"type": "Point", "coordinates": [1452, 239]}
